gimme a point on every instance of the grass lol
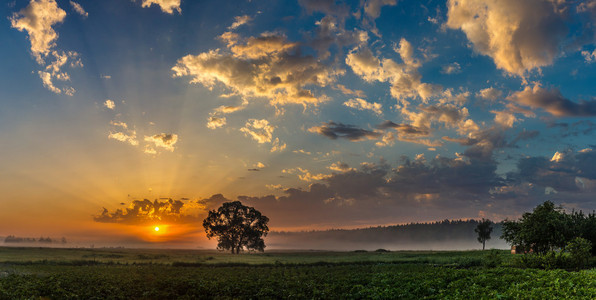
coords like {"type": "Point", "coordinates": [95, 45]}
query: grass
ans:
{"type": "Point", "coordinates": [27, 273]}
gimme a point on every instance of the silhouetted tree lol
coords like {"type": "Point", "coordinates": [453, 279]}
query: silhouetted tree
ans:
{"type": "Point", "coordinates": [484, 229]}
{"type": "Point", "coordinates": [237, 227]}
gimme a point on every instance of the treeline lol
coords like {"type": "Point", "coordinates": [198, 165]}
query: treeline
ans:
{"type": "Point", "coordinates": [44, 240]}
{"type": "Point", "coordinates": [449, 233]}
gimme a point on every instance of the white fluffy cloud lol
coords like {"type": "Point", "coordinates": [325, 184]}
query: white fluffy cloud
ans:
{"type": "Point", "coordinates": [362, 104]}
{"type": "Point", "coordinates": [167, 6]}
{"type": "Point", "coordinates": [518, 35]}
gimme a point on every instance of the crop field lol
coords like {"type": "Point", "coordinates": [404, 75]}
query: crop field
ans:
{"type": "Point", "coordinates": [31, 273]}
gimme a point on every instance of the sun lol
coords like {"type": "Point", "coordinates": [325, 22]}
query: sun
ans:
{"type": "Point", "coordinates": [156, 228]}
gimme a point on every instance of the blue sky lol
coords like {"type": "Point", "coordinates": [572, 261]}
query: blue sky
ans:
{"type": "Point", "coordinates": [319, 113]}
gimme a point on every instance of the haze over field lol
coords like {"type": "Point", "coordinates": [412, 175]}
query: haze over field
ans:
{"type": "Point", "coordinates": [120, 116]}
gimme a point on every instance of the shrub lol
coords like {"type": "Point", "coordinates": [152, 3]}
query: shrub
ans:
{"type": "Point", "coordinates": [579, 250]}
{"type": "Point", "coordinates": [493, 259]}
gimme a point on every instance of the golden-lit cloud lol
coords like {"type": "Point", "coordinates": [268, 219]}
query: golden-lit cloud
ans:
{"type": "Point", "coordinates": [267, 66]}
{"type": "Point", "coordinates": [490, 93]}
{"type": "Point", "coordinates": [258, 130]}
{"type": "Point", "coordinates": [404, 78]}
{"type": "Point", "coordinates": [361, 104]}
{"type": "Point", "coordinates": [109, 104]}
{"type": "Point", "coordinates": [150, 212]}
{"type": "Point", "coordinates": [239, 21]}
{"type": "Point", "coordinates": [552, 102]}
{"type": "Point", "coordinates": [372, 8]}
{"type": "Point", "coordinates": [79, 9]}
{"type": "Point", "coordinates": [340, 167]}
{"type": "Point", "coordinates": [167, 6]}
{"type": "Point", "coordinates": [518, 35]}
{"type": "Point", "coordinates": [163, 140]}
{"type": "Point", "coordinates": [37, 20]}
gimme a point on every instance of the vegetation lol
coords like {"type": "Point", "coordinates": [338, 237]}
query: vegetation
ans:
{"type": "Point", "coordinates": [484, 228]}
{"type": "Point", "coordinates": [237, 227]}
{"type": "Point", "coordinates": [119, 274]}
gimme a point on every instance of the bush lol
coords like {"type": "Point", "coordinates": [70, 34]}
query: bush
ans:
{"type": "Point", "coordinates": [550, 260]}
{"type": "Point", "coordinates": [579, 250]}
{"type": "Point", "coordinates": [493, 259]}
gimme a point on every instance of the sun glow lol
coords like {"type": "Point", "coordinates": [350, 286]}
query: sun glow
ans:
{"type": "Point", "coordinates": [156, 228]}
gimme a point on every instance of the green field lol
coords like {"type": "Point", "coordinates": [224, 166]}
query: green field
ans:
{"type": "Point", "coordinates": [31, 273]}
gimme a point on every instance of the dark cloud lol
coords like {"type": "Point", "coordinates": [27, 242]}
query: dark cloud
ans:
{"type": "Point", "coordinates": [583, 127]}
{"type": "Point", "coordinates": [146, 211]}
{"type": "Point", "coordinates": [329, 7]}
{"type": "Point", "coordinates": [254, 170]}
{"type": "Point", "coordinates": [404, 128]}
{"type": "Point", "coordinates": [335, 130]}
{"type": "Point", "coordinates": [553, 102]}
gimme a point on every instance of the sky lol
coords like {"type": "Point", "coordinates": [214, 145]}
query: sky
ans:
{"type": "Point", "coordinates": [320, 114]}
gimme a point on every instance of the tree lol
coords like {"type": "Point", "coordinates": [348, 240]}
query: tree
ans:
{"type": "Point", "coordinates": [237, 227]}
{"type": "Point", "coordinates": [544, 229]}
{"type": "Point", "coordinates": [484, 228]}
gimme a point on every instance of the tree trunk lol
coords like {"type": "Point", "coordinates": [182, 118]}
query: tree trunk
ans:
{"type": "Point", "coordinates": [483, 243]}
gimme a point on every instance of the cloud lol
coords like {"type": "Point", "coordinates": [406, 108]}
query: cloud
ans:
{"type": "Point", "coordinates": [37, 19]}
{"type": "Point", "coordinates": [340, 167]}
{"type": "Point", "coordinates": [590, 57]}
{"type": "Point", "coordinates": [405, 133]}
{"type": "Point", "coordinates": [239, 21]}
{"type": "Point", "coordinates": [504, 118]}
{"type": "Point", "coordinates": [214, 122]}
{"type": "Point", "coordinates": [216, 118]}
{"type": "Point", "coordinates": [267, 66]}
{"type": "Point", "coordinates": [372, 8]}
{"type": "Point", "coordinates": [109, 104]}
{"type": "Point", "coordinates": [329, 7]}
{"type": "Point", "coordinates": [277, 146]}
{"type": "Point", "coordinates": [335, 130]}
{"type": "Point", "coordinates": [490, 93]}
{"type": "Point", "coordinates": [79, 9]}
{"type": "Point", "coordinates": [350, 92]}
{"type": "Point", "coordinates": [552, 102]}
{"type": "Point", "coordinates": [258, 130]}
{"type": "Point", "coordinates": [142, 212]}
{"type": "Point", "coordinates": [259, 165]}
{"type": "Point", "coordinates": [452, 68]}
{"type": "Point", "coordinates": [404, 78]}
{"type": "Point", "coordinates": [163, 140]}
{"type": "Point", "coordinates": [362, 104]}
{"type": "Point", "coordinates": [167, 6]}
{"type": "Point", "coordinates": [518, 35]}
{"type": "Point", "coordinates": [129, 137]}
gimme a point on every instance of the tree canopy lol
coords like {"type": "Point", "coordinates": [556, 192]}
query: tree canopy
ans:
{"type": "Point", "coordinates": [548, 227]}
{"type": "Point", "coordinates": [236, 227]}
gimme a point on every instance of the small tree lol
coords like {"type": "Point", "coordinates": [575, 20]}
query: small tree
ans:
{"type": "Point", "coordinates": [579, 249]}
{"type": "Point", "coordinates": [484, 229]}
{"type": "Point", "coordinates": [237, 227]}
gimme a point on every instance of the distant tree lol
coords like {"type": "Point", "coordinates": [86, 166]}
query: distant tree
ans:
{"type": "Point", "coordinates": [237, 227]}
{"type": "Point", "coordinates": [484, 229]}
